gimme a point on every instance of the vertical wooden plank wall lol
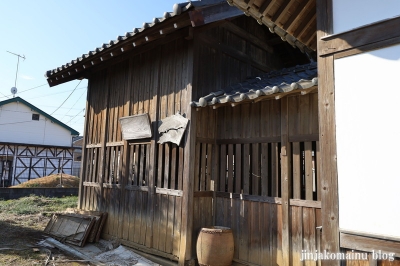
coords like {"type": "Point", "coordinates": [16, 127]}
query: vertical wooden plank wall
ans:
{"type": "Point", "coordinates": [250, 194]}
{"type": "Point", "coordinates": [144, 213]}
{"type": "Point", "coordinates": [216, 163]}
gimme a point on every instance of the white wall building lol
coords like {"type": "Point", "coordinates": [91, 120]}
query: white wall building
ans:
{"type": "Point", "coordinates": [32, 143]}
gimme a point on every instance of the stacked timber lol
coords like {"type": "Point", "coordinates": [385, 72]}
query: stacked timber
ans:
{"type": "Point", "coordinates": [76, 227]}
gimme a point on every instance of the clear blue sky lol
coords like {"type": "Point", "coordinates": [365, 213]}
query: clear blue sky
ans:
{"type": "Point", "coordinates": [51, 33]}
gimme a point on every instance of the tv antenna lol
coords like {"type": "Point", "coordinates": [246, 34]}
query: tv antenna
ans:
{"type": "Point", "coordinates": [14, 89]}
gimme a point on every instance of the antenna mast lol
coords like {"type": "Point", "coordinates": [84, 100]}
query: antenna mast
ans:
{"type": "Point", "coordinates": [14, 89]}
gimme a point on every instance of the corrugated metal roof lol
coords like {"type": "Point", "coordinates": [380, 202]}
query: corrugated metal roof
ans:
{"type": "Point", "coordinates": [298, 78]}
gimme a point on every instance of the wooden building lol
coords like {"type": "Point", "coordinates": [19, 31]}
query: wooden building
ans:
{"type": "Point", "coordinates": [33, 144]}
{"type": "Point", "coordinates": [250, 155]}
{"type": "Point", "coordinates": [357, 46]}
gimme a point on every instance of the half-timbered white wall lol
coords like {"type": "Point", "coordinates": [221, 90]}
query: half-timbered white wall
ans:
{"type": "Point", "coordinates": [367, 113]}
{"type": "Point", "coordinates": [17, 126]}
{"type": "Point", "coordinates": [30, 161]}
{"type": "Point", "coordinates": [352, 14]}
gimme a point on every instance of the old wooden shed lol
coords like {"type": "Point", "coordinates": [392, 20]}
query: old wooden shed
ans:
{"type": "Point", "coordinates": [357, 47]}
{"type": "Point", "coordinates": [251, 103]}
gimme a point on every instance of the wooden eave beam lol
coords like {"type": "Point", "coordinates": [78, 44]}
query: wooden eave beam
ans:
{"type": "Point", "coordinates": [248, 36]}
{"type": "Point", "coordinates": [300, 16]}
{"type": "Point", "coordinates": [282, 10]}
{"type": "Point", "coordinates": [294, 17]}
{"type": "Point", "coordinates": [265, 7]}
{"type": "Point", "coordinates": [307, 31]}
{"type": "Point", "coordinates": [305, 23]}
{"type": "Point", "coordinates": [386, 32]}
{"type": "Point", "coordinates": [207, 15]}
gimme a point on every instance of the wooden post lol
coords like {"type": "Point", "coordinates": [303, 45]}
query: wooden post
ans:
{"type": "Point", "coordinates": [188, 169]}
{"type": "Point", "coordinates": [286, 172]}
{"type": "Point", "coordinates": [327, 138]}
{"type": "Point", "coordinates": [84, 155]}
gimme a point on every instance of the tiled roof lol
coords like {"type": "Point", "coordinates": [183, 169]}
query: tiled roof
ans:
{"type": "Point", "coordinates": [70, 69]}
{"type": "Point", "coordinates": [177, 10]}
{"type": "Point", "coordinates": [298, 78]}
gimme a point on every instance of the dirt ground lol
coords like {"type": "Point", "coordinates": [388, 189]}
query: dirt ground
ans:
{"type": "Point", "coordinates": [19, 237]}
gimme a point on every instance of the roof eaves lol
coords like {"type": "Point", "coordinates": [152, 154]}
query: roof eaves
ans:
{"type": "Point", "coordinates": [277, 84]}
{"type": "Point", "coordinates": [178, 9]}
{"type": "Point", "coordinates": [274, 28]}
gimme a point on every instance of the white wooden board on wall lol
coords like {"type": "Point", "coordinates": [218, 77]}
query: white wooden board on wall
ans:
{"type": "Point", "coordinates": [367, 94]}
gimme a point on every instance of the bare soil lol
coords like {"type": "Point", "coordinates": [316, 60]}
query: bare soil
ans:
{"type": "Point", "coordinates": [21, 233]}
{"type": "Point", "coordinates": [19, 237]}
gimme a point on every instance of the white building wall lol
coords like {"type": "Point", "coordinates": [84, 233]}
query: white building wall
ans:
{"type": "Point", "coordinates": [367, 97]}
{"type": "Point", "coordinates": [16, 125]}
{"type": "Point", "coordinates": [350, 14]}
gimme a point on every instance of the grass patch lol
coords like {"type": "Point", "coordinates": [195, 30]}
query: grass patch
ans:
{"type": "Point", "coordinates": [37, 205]}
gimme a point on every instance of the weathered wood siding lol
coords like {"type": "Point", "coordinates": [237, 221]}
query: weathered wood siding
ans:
{"type": "Point", "coordinates": [239, 167]}
{"type": "Point", "coordinates": [227, 55]}
{"type": "Point", "coordinates": [139, 183]}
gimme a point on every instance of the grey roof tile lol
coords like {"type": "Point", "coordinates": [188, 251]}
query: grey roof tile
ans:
{"type": "Point", "coordinates": [274, 82]}
{"type": "Point", "coordinates": [177, 10]}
